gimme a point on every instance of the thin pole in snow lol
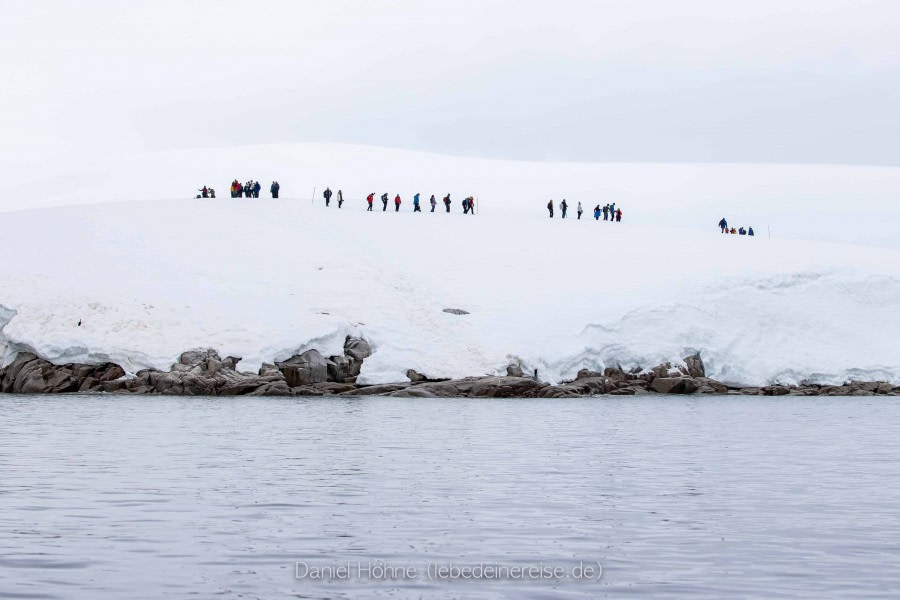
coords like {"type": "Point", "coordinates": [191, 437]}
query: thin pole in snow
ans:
{"type": "Point", "coordinates": [313, 199]}
{"type": "Point", "coordinates": [769, 227]}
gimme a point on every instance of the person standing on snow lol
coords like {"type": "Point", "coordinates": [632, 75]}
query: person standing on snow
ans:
{"type": "Point", "coordinates": [384, 200]}
{"type": "Point", "coordinates": [370, 198]}
{"type": "Point", "coordinates": [618, 215]}
{"type": "Point", "coordinates": [212, 193]}
{"type": "Point", "coordinates": [612, 212]}
{"type": "Point", "coordinates": [433, 202]}
{"type": "Point", "coordinates": [471, 205]}
{"type": "Point", "coordinates": [447, 202]}
{"type": "Point", "coordinates": [273, 189]}
{"type": "Point", "coordinates": [579, 211]}
{"type": "Point", "coordinates": [340, 198]}
{"type": "Point", "coordinates": [550, 207]}
{"type": "Point", "coordinates": [723, 225]}
{"type": "Point", "coordinates": [597, 213]}
{"type": "Point", "coordinates": [204, 193]}
{"type": "Point", "coordinates": [397, 203]}
{"type": "Point", "coordinates": [416, 207]}
{"type": "Point", "coordinates": [562, 207]}
{"type": "Point", "coordinates": [465, 205]}
{"type": "Point", "coordinates": [256, 188]}
{"type": "Point", "coordinates": [605, 212]}
{"type": "Point", "coordinates": [327, 194]}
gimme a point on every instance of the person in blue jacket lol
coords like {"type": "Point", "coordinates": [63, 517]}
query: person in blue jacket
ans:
{"type": "Point", "coordinates": [416, 207]}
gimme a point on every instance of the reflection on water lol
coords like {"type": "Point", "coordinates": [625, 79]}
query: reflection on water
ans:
{"type": "Point", "coordinates": [696, 497]}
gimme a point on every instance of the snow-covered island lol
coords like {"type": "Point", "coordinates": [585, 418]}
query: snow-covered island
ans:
{"type": "Point", "coordinates": [114, 267]}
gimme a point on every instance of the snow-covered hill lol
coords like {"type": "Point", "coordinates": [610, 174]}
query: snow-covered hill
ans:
{"type": "Point", "coordinates": [150, 276]}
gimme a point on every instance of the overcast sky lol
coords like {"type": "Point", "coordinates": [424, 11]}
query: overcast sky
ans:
{"type": "Point", "coordinates": [639, 80]}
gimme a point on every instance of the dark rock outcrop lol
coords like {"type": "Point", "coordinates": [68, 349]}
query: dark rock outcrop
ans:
{"type": "Point", "coordinates": [205, 373]}
{"type": "Point", "coordinates": [30, 374]}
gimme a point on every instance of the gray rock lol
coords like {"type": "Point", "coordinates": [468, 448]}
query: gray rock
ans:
{"type": "Point", "coordinates": [695, 366]}
{"type": "Point", "coordinates": [597, 384]}
{"type": "Point", "coordinates": [623, 391]}
{"type": "Point", "coordinates": [375, 390]}
{"type": "Point", "coordinates": [304, 369]}
{"type": "Point", "coordinates": [415, 376]}
{"type": "Point", "coordinates": [412, 392]}
{"type": "Point", "coordinates": [505, 387]}
{"type": "Point", "coordinates": [514, 371]}
{"type": "Point", "coordinates": [323, 389]}
{"type": "Point", "coordinates": [717, 386]}
{"type": "Point", "coordinates": [357, 349]}
{"type": "Point", "coordinates": [455, 311]}
{"type": "Point", "coordinates": [587, 374]}
{"type": "Point", "coordinates": [776, 390]}
{"type": "Point", "coordinates": [674, 385]}
{"type": "Point", "coordinates": [277, 388]}
{"type": "Point", "coordinates": [439, 389]}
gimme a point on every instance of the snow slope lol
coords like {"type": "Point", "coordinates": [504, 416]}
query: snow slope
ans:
{"type": "Point", "coordinates": [263, 279]}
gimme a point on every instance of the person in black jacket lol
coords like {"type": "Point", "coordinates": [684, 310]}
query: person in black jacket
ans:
{"type": "Point", "coordinates": [274, 189]}
{"type": "Point", "coordinates": [723, 225]}
{"type": "Point", "coordinates": [384, 200]}
{"type": "Point", "coordinates": [550, 208]}
{"type": "Point", "coordinates": [327, 194]}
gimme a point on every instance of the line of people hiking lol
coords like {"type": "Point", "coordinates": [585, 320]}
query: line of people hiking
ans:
{"type": "Point", "coordinates": [723, 225]}
{"type": "Point", "coordinates": [609, 211]}
{"type": "Point", "coordinates": [468, 203]}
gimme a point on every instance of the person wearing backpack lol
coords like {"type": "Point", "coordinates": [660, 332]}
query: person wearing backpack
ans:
{"type": "Point", "coordinates": [562, 207]}
{"type": "Point", "coordinates": [447, 202]}
{"type": "Point", "coordinates": [274, 189]}
{"type": "Point", "coordinates": [433, 202]}
{"type": "Point", "coordinates": [256, 188]}
{"type": "Point", "coordinates": [618, 215]}
{"type": "Point", "coordinates": [597, 213]}
{"type": "Point", "coordinates": [550, 208]}
{"type": "Point", "coordinates": [384, 201]}
{"type": "Point", "coordinates": [416, 207]}
{"type": "Point", "coordinates": [579, 211]}
{"type": "Point", "coordinates": [370, 198]}
{"type": "Point", "coordinates": [397, 203]}
{"type": "Point", "coordinates": [327, 194]}
{"type": "Point", "coordinates": [723, 225]}
{"type": "Point", "coordinates": [340, 198]}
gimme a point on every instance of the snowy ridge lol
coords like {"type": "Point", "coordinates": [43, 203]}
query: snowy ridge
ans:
{"type": "Point", "coordinates": [264, 279]}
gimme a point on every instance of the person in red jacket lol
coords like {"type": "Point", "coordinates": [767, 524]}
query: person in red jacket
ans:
{"type": "Point", "coordinates": [618, 215]}
{"type": "Point", "coordinates": [397, 203]}
{"type": "Point", "coordinates": [370, 198]}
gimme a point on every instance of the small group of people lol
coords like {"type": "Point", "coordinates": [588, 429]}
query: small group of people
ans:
{"type": "Point", "coordinates": [609, 212]}
{"type": "Point", "coordinates": [468, 204]}
{"type": "Point", "coordinates": [206, 192]}
{"type": "Point", "coordinates": [327, 194]}
{"type": "Point", "coordinates": [723, 225]}
{"type": "Point", "coordinates": [250, 189]}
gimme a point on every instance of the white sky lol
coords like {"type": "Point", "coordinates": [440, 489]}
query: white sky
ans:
{"type": "Point", "coordinates": [645, 80]}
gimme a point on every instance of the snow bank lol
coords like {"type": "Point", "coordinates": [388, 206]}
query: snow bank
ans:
{"type": "Point", "coordinates": [264, 279]}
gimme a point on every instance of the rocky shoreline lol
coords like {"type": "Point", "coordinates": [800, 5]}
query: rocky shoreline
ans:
{"type": "Point", "coordinates": [205, 373]}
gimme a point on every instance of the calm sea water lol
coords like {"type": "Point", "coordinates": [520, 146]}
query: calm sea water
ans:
{"type": "Point", "coordinates": [707, 497]}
